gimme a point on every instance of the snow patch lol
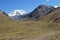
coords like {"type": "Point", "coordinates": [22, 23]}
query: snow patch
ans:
{"type": "Point", "coordinates": [57, 6]}
{"type": "Point", "coordinates": [17, 12]}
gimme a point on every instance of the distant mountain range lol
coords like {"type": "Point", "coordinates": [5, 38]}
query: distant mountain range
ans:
{"type": "Point", "coordinates": [36, 14]}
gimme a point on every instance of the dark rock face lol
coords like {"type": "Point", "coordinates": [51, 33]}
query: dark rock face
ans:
{"type": "Point", "coordinates": [20, 17]}
{"type": "Point", "coordinates": [40, 11]}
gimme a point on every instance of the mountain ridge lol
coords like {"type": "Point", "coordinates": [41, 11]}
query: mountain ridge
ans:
{"type": "Point", "coordinates": [41, 10]}
{"type": "Point", "coordinates": [31, 30]}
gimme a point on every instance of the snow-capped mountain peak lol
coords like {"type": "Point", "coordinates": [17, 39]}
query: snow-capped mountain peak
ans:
{"type": "Point", "coordinates": [17, 12]}
{"type": "Point", "coordinates": [57, 6]}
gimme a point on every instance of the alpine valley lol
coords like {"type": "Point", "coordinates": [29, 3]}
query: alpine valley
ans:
{"type": "Point", "coordinates": [43, 23]}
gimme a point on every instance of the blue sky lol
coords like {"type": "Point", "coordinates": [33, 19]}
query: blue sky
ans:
{"type": "Point", "coordinates": [27, 5]}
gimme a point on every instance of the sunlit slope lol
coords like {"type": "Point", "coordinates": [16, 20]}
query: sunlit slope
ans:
{"type": "Point", "coordinates": [10, 28]}
{"type": "Point", "coordinates": [54, 16]}
{"type": "Point", "coordinates": [5, 20]}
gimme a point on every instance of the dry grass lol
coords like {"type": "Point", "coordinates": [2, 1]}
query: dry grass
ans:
{"type": "Point", "coordinates": [19, 30]}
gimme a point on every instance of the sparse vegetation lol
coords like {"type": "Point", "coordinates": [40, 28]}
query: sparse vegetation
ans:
{"type": "Point", "coordinates": [19, 30]}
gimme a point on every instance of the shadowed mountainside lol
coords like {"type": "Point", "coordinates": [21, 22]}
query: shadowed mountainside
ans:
{"type": "Point", "coordinates": [41, 11]}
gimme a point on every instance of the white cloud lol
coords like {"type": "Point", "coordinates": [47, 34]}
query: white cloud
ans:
{"type": "Point", "coordinates": [48, 0]}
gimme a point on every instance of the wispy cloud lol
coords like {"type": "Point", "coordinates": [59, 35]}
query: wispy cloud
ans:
{"type": "Point", "coordinates": [48, 0]}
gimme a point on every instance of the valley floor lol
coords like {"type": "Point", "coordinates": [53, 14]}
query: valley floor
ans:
{"type": "Point", "coordinates": [31, 30]}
